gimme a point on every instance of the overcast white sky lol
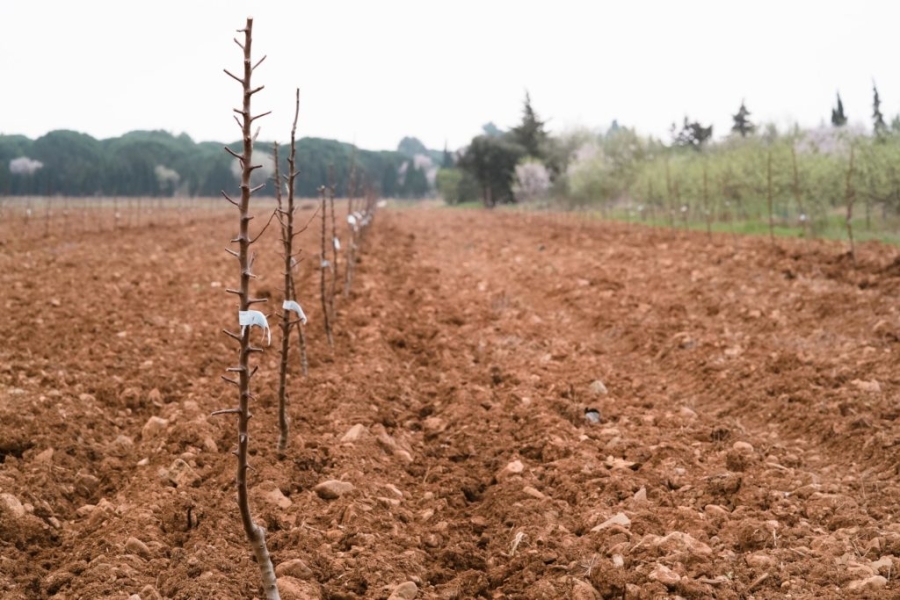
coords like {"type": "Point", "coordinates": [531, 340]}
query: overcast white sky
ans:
{"type": "Point", "coordinates": [375, 70]}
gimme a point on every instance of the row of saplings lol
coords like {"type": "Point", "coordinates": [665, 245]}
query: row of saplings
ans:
{"type": "Point", "coordinates": [292, 316]}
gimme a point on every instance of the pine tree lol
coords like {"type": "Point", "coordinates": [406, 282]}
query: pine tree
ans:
{"type": "Point", "coordinates": [531, 134]}
{"type": "Point", "coordinates": [742, 124]}
{"type": "Point", "coordinates": [838, 118]}
{"type": "Point", "coordinates": [878, 123]}
{"type": "Point", "coordinates": [447, 161]}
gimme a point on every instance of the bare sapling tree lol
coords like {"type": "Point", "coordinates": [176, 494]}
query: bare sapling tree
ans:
{"type": "Point", "coordinates": [798, 195]}
{"type": "Point", "coordinates": [769, 198]}
{"type": "Point", "coordinates": [325, 267]}
{"type": "Point", "coordinates": [247, 318]}
{"type": "Point", "coordinates": [706, 207]}
{"type": "Point", "coordinates": [292, 313]}
{"type": "Point", "coordinates": [335, 244]}
{"type": "Point", "coordinates": [669, 196]}
{"type": "Point", "coordinates": [354, 222]}
{"type": "Point", "coordinates": [351, 220]}
{"type": "Point", "coordinates": [850, 199]}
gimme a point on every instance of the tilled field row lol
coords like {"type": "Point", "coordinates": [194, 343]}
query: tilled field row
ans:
{"type": "Point", "coordinates": [516, 407]}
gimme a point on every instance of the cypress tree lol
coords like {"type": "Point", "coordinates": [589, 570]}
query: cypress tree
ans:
{"type": "Point", "coordinates": [742, 124]}
{"type": "Point", "coordinates": [878, 124]}
{"type": "Point", "coordinates": [838, 118]}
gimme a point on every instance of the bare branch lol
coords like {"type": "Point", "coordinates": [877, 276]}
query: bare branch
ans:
{"type": "Point", "coordinates": [235, 77]}
{"type": "Point", "coordinates": [225, 411]}
{"type": "Point", "coordinates": [234, 154]}
{"type": "Point", "coordinates": [264, 228]}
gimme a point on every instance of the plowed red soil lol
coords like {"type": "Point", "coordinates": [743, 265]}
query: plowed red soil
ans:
{"type": "Point", "coordinates": [747, 443]}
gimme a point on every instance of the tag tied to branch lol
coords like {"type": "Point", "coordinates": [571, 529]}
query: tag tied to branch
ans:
{"type": "Point", "coordinates": [292, 305]}
{"type": "Point", "coordinates": [249, 318]}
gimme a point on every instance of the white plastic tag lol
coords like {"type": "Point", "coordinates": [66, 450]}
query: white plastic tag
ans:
{"type": "Point", "coordinates": [337, 244]}
{"type": "Point", "coordinates": [248, 318]}
{"type": "Point", "coordinates": [292, 305]}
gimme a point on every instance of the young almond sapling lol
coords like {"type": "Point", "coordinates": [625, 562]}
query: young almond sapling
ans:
{"type": "Point", "coordinates": [247, 318]}
{"type": "Point", "coordinates": [290, 307]}
{"type": "Point", "coordinates": [325, 267]}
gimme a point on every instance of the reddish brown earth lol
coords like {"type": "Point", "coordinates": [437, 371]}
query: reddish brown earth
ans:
{"type": "Point", "coordinates": [748, 440]}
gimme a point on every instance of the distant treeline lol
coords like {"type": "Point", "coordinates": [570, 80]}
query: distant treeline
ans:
{"type": "Point", "coordinates": [157, 163]}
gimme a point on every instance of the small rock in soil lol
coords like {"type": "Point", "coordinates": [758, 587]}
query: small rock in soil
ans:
{"type": "Point", "coordinates": [873, 387]}
{"type": "Point", "coordinates": [884, 564]}
{"type": "Point", "coordinates": [405, 591]}
{"type": "Point", "coordinates": [592, 416]}
{"type": "Point", "coordinates": [641, 495]}
{"type": "Point", "coordinates": [618, 519]}
{"type": "Point", "coordinates": [743, 447]}
{"type": "Point", "coordinates": [293, 568]}
{"type": "Point", "coordinates": [353, 434]}
{"type": "Point", "coordinates": [154, 427]}
{"type": "Point", "coordinates": [582, 590]}
{"type": "Point", "coordinates": [760, 561]}
{"type": "Point", "coordinates": [136, 546]}
{"type": "Point", "coordinates": [121, 446]}
{"type": "Point", "coordinates": [665, 575]}
{"type": "Point", "coordinates": [597, 388]}
{"type": "Point", "coordinates": [678, 541]}
{"type": "Point", "coordinates": [276, 497]}
{"type": "Point", "coordinates": [333, 489]}
{"type": "Point", "coordinates": [86, 484]}
{"type": "Point", "coordinates": [687, 413]}
{"type": "Point", "coordinates": [13, 505]}
{"type": "Point", "coordinates": [181, 474]}
{"type": "Point", "coordinates": [148, 592]}
{"type": "Point", "coordinates": [875, 582]}
{"type": "Point", "coordinates": [533, 492]}
{"type": "Point", "coordinates": [514, 468]}
{"type": "Point", "coordinates": [292, 588]}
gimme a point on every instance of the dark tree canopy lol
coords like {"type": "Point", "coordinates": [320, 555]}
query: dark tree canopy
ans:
{"type": "Point", "coordinates": [491, 162]}
{"type": "Point", "coordinates": [692, 134]}
{"type": "Point", "coordinates": [838, 118]}
{"type": "Point", "coordinates": [154, 163]}
{"type": "Point", "coordinates": [742, 124]}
